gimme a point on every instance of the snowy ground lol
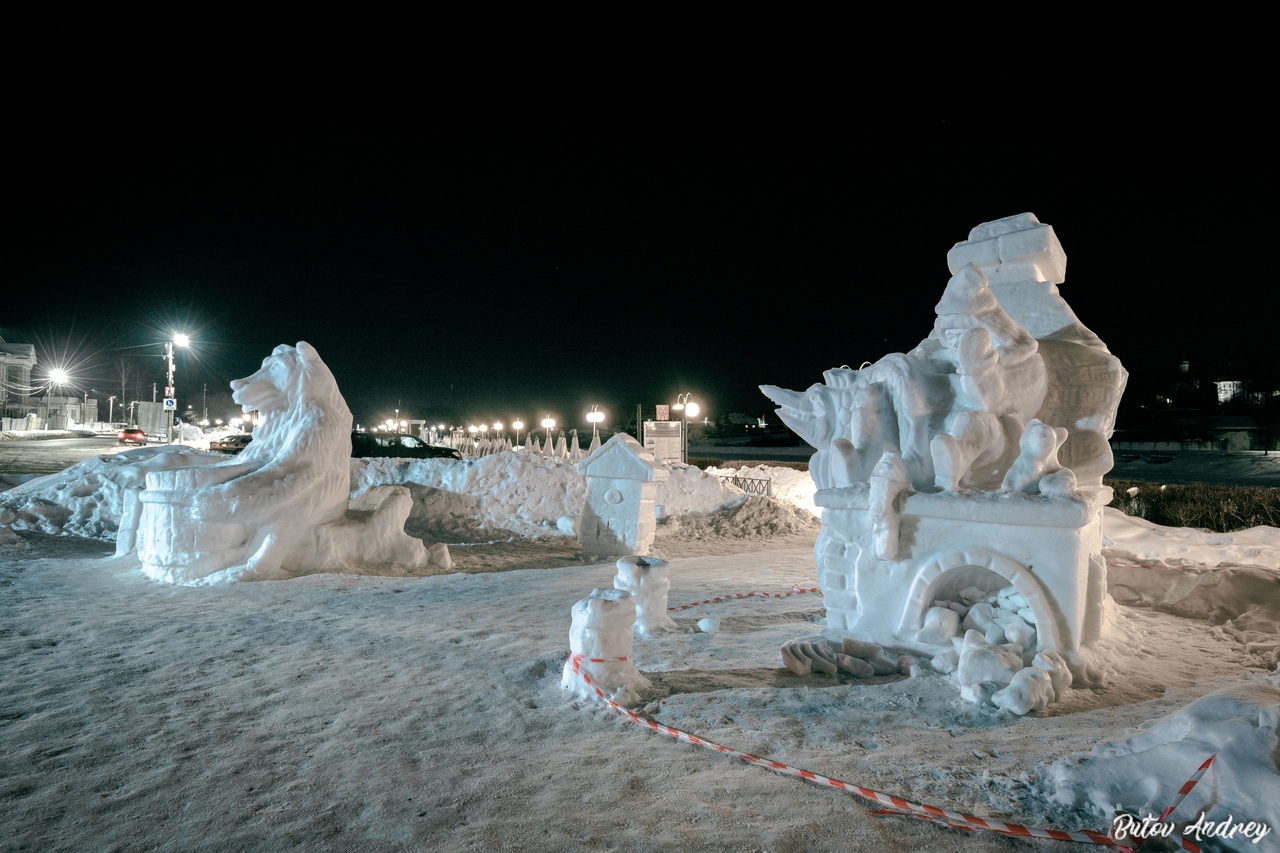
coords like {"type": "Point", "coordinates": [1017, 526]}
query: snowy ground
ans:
{"type": "Point", "coordinates": [334, 712]}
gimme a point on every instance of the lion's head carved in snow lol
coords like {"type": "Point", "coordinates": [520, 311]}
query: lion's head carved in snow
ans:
{"type": "Point", "coordinates": [301, 408]}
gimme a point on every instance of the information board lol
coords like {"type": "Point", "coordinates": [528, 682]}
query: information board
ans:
{"type": "Point", "coordinates": [663, 439]}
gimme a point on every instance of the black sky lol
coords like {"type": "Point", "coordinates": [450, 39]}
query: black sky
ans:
{"type": "Point", "coordinates": [469, 263]}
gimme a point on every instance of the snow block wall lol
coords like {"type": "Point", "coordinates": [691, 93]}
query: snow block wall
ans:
{"type": "Point", "coordinates": [967, 474]}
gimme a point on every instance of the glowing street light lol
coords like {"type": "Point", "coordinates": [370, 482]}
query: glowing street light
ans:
{"type": "Point", "coordinates": [517, 425]}
{"type": "Point", "coordinates": [687, 409]}
{"type": "Point", "coordinates": [547, 423]}
{"type": "Point", "coordinates": [594, 417]}
{"type": "Point", "coordinates": [56, 377]}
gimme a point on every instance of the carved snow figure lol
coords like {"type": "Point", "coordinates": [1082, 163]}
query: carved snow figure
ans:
{"type": "Point", "coordinates": [1038, 458]}
{"type": "Point", "coordinates": [997, 385]}
{"type": "Point", "coordinates": [281, 505]}
{"type": "Point", "coordinates": [821, 416]}
{"type": "Point", "coordinates": [888, 482]}
{"type": "Point", "coordinates": [618, 513]}
{"type": "Point", "coordinates": [600, 642]}
{"type": "Point", "coordinates": [855, 658]}
{"type": "Point", "coordinates": [647, 580]}
{"type": "Point", "coordinates": [972, 463]}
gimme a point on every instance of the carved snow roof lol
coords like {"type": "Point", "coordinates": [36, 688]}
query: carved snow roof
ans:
{"type": "Point", "coordinates": [622, 458]}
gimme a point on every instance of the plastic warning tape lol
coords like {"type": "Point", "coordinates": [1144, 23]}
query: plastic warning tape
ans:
{"type": "Point", "coordinates": [1187, 786]}
{"type": "Point", "coordinates": [795, 590]}
{"type": "Point", "coordinates": [896, 805]}
{"type": "Point", "coordinates": [1181, 795]}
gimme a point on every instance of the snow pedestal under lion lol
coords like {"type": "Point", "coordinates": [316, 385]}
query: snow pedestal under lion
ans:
{"type": "Point", "coordinates": [618, 512]}
{"type": "Point", "coordinates": [600, 642]}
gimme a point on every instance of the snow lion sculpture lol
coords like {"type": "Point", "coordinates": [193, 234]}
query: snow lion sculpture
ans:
{"type": "Point", "coordinates": [280, 507]}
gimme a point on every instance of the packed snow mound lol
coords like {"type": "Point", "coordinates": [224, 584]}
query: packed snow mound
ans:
{"type": "Point", "coordinates": [1142, 774]}
{"type": "Point", "coordinates": [515, 494]}
{"type": "Point", "coordinates": [525, 495]}
{"type": "Point", "coordinates": [86, 499]}
{"type": "Point", "coordinates": [788, 485]}
{"type": "Point", "coordinates": [1140, 540]}
{"type": "Point", "coordinates": [755, 517]}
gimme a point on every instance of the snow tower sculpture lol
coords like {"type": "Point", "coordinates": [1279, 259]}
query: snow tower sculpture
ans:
{"type": "Point", "coordinates": [961, 482]}
{"type": "Point", "coordinates": [282, 505]}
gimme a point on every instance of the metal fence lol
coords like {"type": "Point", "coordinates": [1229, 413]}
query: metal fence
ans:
{"type": "Point", "coordinates": [751, 485]}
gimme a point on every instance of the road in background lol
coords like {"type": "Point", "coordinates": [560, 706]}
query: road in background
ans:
{"type": "Point", "coordinates": [51, 455]}
{"type": "Point", "coordinates": [1241, 468]}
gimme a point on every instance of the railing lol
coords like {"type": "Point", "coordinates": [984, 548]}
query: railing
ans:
{"type": "Point", "coordinates": [751, 485]}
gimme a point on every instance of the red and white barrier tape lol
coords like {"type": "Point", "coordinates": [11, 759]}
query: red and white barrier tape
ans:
{"type": "Point", "coordinates": [796, 589]}
{"type": "Point", "coordinates": [1187, 786]}
{"type": "Point", "coordinates": [1181, 795]}
{"type": "Point", "coordinates": [896, 805]}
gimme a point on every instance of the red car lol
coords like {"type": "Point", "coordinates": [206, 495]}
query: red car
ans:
{"type": "Point", "coordinates": [132, 435]}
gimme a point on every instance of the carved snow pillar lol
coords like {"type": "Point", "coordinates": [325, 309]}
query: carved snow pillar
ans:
{"type": "Point", "coordinates": [617, 515]}
{"type": "Point", "coordinates": [600, 639]}
{"type": "Point", "coordinates": [647, 581]}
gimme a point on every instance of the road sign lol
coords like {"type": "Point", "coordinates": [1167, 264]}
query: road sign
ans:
{"type": "Point", "coordinates": [170, 404]}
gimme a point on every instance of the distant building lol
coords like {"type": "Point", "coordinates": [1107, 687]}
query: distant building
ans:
{"type": "Point", "coordinates": [16, 363]}
{"type": "Point", "coordinates": [1210, 409]}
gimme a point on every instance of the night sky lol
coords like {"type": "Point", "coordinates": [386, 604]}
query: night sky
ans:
{"type": "Point", "coordinates": [466, 266]}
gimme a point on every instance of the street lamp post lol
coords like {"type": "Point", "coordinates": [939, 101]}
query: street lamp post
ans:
{"type": "Point", "coordinates": [687, 408]}
{"type": "Point", "coordinates": [547, 423]}
{"type": "Point", "coordinates": [169, 391]}
{"type": "Point", "coordinates": [594, 417]}
{"type": "Point", "coordinates": [517, 425]}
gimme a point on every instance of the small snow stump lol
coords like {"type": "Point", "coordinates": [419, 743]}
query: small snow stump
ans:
{"type": "Point", "coordinates": [647, 580]}
{"type": "Point", "coordinates": [600, 639]}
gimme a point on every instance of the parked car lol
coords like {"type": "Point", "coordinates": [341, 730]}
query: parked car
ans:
{"type": "Point", "coordinates": [366, 445]}
{"type": "Point", "coordinates": [230, 443]}
{"type": "Point", "coordinates": [131, 435]}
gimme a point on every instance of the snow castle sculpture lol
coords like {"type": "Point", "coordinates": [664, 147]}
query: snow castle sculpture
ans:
{"type": "Point", "coordinates": [281, 505]}
{"type": "Point", "coordinates": [967, 473]}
